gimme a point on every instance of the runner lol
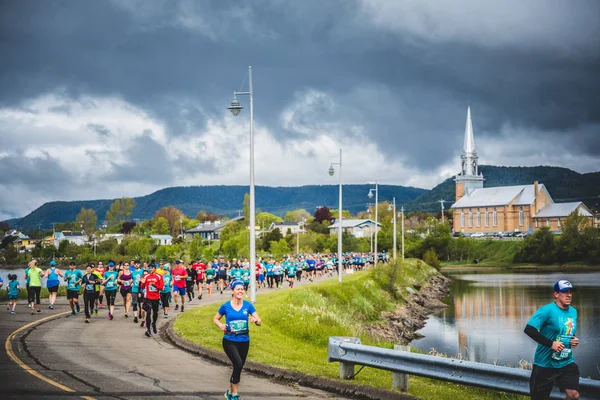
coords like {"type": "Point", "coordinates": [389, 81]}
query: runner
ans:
{"type": "Point", "coordinates": [291, 274]}
{"type": "Point", "coordinates": [109, 283]}
{"type": "Point", "coordinates": [90, 280]}
{"type": "Point", "coordinates": [270, 274]}
{"type": "Point", "coordinates": [152, 284]}
{"type": "Point", "coordinates": [210, 278]}
{"type": "Point", "coordinates": [73, 277]}
{"type": "Point", "coordinates": [199, 267]}
{"type": "Point", "coordinates": [236, 339]}
{"type": "Point", "coordinates": [100, 295]}
{"type": "Point", "coordinates": [35, 285]}
{"type": "Point", "coordinates": [553, 327]}
{"type": "Point", "coordinates": [52, 275]}
{"type": "Point", "coordinates": [136, 297]}
{"type": "Point", "coordinates": [165, 292]}
{"type": "Point", "coordinates": [179, 276]}
{"type": "Point", "coordinates": [98, 283]}
{"type": "Point", "coordinates": [190, 282]}
{"type": "Point", "coordinates": [310, 267]}
{"type": "Point", "coordinates": [142, 295]}
{"type": "Point", "coordinates": [13, 292]}
{"type": "Point", "coordinates": [278, 273]}
{"type": "Point", "coordinates": [221, 274]}
{"type": "Point", "coordinates": [126, 281]}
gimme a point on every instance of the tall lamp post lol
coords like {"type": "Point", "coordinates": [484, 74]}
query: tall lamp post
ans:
{"type": "Point", "coordinates": [392, 207]}
{"type": "Point", "coordinates": [402, 233]}
{"type": "Point", "coordinates": [370, 195]}
{"type": "Point", "coordinates": [235, 109]}
{"type": "Point", "coordinates": [331, 172]}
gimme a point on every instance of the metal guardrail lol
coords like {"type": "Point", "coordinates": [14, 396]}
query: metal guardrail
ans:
{"type": "Point", "coordinates": [349, 352]}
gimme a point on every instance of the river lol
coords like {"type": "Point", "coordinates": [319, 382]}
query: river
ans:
{"type": "Point", "coordinates": [488, 310]}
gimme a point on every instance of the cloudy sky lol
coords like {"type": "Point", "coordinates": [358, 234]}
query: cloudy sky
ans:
{"type": "Point", "coordinates": [101, 99]}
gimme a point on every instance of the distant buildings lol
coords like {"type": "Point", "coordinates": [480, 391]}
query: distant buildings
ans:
{"type": "Point", "coordinates": [210, 230]}
{"type": "Point", "coordinates": [356, 227]}
{"type": "Point", "coordinates": [522, 208]}
{"type": "Point", "coordinates": [164, 240]}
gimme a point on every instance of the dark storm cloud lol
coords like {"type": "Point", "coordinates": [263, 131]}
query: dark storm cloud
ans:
{"type": "Point", "coordinates": [417, 90]}
{"type": "Point", "coordinates": [42, 171]}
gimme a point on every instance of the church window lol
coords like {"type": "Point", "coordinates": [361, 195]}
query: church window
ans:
{"type": "Point", "coordinates": [478, 218]}
{"type": "Point", "coordinates": [547, 221]}
{"type": "Point", "coordinates": [521, 217]}
{"type": "Point", "coordinates": [487, 218]}
{"type": "Point", "coordinates": [462, 219]}
{"type": "Point", "coordinates": [495, 218]}
{"type": "Point", "coordinates": [470, 219]}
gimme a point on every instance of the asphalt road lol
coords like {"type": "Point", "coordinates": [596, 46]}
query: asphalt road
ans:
{"type": "Point", "coordinates": [69, 359]}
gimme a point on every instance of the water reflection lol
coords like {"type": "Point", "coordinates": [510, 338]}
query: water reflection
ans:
{"type": "Point", "coordinates": [487, 313]}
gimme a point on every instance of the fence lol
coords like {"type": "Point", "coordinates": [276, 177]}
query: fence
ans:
{"type": "Point", "coordinates": [349, 352]}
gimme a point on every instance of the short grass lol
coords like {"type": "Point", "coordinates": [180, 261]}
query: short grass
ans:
{"type": "Point", "coordinates": [44, 294]}
{"type": "Point", "coordinates": [297, 324]}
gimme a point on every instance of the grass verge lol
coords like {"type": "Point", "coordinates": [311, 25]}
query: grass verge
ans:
{"type": "Point", "coordinates": [297, 324]}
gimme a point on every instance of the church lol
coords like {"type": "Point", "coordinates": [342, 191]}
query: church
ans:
{"type": "Point", "coordinates": [522, 208]}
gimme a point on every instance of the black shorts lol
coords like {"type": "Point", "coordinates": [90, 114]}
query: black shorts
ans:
{"type": "Point", "coordinates": [72, 294]}
{"type": "Point", "coordinates": [165, 299]}
{"type": "Point", "coordinates": [53, 289]}
{"type": "Point", "coordinates": [199, 281]}
{"type": "Point", "coordinates": [542, 379]}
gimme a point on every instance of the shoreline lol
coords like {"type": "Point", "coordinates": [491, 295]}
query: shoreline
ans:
{"type": "Point", "coordinates": [521, 267]}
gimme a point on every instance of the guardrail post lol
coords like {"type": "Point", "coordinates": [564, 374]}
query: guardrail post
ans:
{"type": "Point", "coordinates": [346, 370]}
{"type": "Point", "coordinates": [400, 381]}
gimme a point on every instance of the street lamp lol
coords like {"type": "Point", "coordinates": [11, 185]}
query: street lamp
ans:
{"type": "Point", "coordinates": [392, 207]}
{"type": "Point", "coordinates": [331, 172]}
{"type": "Point", "coordinates": [235, 109]}
{"type": "Point", "coordinates": [370, 195]}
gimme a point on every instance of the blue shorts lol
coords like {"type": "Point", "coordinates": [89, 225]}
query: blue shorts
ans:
{"type": "Point", "coordinates": [13, 296]}
{"type": "Point", "coordinates": [261, 278]}
{"type": "Point", "coordinates": [179, 290]}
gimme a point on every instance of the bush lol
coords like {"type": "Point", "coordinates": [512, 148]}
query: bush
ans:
{"type": "Point", "coordinates": [431, 258]}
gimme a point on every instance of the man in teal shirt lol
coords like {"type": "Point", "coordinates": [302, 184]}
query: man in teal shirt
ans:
{"type": "Point", "coordinates": [553, 327]}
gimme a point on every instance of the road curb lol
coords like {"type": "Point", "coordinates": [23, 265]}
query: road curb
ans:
{"type": "Point", "coordinates": [345, 389]}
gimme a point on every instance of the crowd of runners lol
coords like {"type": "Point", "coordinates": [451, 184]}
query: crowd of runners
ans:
{"type": "Point", "coordinates": [144, 288]}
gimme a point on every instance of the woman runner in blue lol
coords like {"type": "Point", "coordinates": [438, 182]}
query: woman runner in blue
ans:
{"type": "Point", "coordinates": [236, 339]}
{"type": "Point", "coordinates": [52, 276]}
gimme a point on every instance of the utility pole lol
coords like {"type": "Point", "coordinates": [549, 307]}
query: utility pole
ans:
{"type": "Point", "coordinates": [402, 233]}
{"type": "Point", "coordinates": [442, 204]}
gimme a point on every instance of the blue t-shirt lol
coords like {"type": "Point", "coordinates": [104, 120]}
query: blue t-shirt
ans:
{"type": "Point", "coordinates": [237, 321]}
{"type": "Point", "coordinates": [556, 324]}
{"type": "Point", "coordinates": [111, 280]}
{"type": "Point", "coordinates": [137, 277]}
{"type": "Point", "coordinates": [72, 277]}
{"type": "Point", "coordinates": [52, 278]}
{"type": "Point", "coordinates": [310, 264]}
{"type": "Point", "coordinates": [13, 288]}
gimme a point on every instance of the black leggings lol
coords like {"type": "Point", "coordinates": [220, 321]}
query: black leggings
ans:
{"type": "Point", "coordinates": [270, 280]}
{"type": "Point", "coordinates": [237, 353]}
{"type": "Point", "coordinates": [34, 291]}
{"type": "Point", "coordinates": [151, 305]}
{"type": "Point", "coordinates": [88, 303]}
{"type": "Point", "coordinates": [110, 297]}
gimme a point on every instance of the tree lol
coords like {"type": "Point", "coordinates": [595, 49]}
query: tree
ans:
{"type": "Point", "coordinates": [119, 211]}
{"type": "Point", "coordinates": [63, 247]}
{"type": "Point", "coordinates": [323, 214]}
{"type": "Point", "coordinates": [273, 236]}
{"type": "Point", "coordinates": [173, 217]}
{"type": "Point", "coordinates": [279, 248]}
{"type": "Point", "coordinates": [160, 226]}
{"type": "Point", "coordinates": [128, 226]}
{"type": "Point", "coordinates": [87, 219]}
{"type": "Point", "coordinates": [265, 219]}
{"type": "Point", "coordinates": [296, 215]}
{"type": "Point", "coordinates": [246, 209]}
{"type": "Point", "coordinates": [204, 216]}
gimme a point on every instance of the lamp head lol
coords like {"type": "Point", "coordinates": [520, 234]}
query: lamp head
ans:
{"type": "Point", "coordinates": [235, 106]}
{"type": "Point", "coordinates": [331, 170]}
{"type": "Point", "coordinates": [390, 207]}
{"type": "Point", "coordinates": [370, 195]}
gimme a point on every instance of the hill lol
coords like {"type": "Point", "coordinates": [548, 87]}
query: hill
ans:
{"type": "Point", "coordinates": [224, 200]}
{"type": "Point", "coordinates": [563, 184]}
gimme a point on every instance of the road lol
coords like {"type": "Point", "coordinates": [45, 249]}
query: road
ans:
{"type": "Point", "coordinates": [114, 360]}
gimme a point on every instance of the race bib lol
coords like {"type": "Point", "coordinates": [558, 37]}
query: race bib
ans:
{"type": "Point", "coordinates": [126, 283]}
{"type": "Point", "coordinates": [239, 326]}
{"type": "Point", "coordinates": [71, 286]}
{"type": "Point", "coordinates": [152, 288]}
{"type": "Point", "coordinates": [110, 284]}
{"type": "Point", "coordinates": [89, 287]}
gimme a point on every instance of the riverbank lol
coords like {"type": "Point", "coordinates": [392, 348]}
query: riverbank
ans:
{"type": "Point", "coordinates": [519, 267]}
{"type": "Point", "coordinates": [298, 322]}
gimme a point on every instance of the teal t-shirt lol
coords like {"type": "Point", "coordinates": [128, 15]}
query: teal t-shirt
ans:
{"type": "Point", "coordinates": [136, 275]}
{"type": "Point", "coordinates": [71, 277]}
{"type": "Point", "coordinates": [111, 280]}
{"type": "Point", "coordinates": [167, 277]}
{"type": "Point", "coordinates": [556, 324]}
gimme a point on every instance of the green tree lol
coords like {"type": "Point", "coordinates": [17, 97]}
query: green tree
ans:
{"type": "Point", "coordinates": [140, 248]}
{"type": "Point", "coordinates": [174, 218]}
{"type": "Point", "coordinates": [246, 209]}
{"type": "Point", "coordinates": [160, 226]}
{"type": "Point", "coordinates": [430, 258]}
{"type": "Point", "coordinates": [119, 211]}
{"type": "Point", "coordinates": [196, 247]}
{"type": "Point", "coordinates": [62, 248]}
{"type": "Point", "coordinates": [265, 219]}
{"type": "Point", "coordinates": [87, 219]}
{"type": "Point", "coordinates": [297, 215]}
{"type": "Point", "coordinates": [538, 248]}
{"type": "Point", "coordinates": [279, 248]}
{"type": "Point", "coordinates": [269, 237]}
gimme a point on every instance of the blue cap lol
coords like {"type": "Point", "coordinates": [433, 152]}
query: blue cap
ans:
{"type": "Point", "coordinates": [52, 263]}
{"type": "Point", "coordinates": [562, 286]}
{"type": "Point", "coordinates": [235, 283]}
{"type": "Point", "coordinates": [111, 264]}
{"type": "Point", "coordinates": [178, 262]}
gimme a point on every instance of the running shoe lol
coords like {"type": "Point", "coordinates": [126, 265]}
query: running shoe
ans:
{"type": "Point", "coordinates": [143, 323]}
{"type": "Point", "coordinates": [32, 312]}
{"type": "Point", "coordinates": [147, 333]}
{"type": "Point", "coordinates": [176, 307]}
{"type": "Point", "coordinates": [12, 312]}
{"type": "Point", "coordinates": [181, 308]}
{"type": "Point", "coordinates": [126, 315]}
{"type": "Point", "coordinates": [96, 312]}
{"type": "Point", "coordinates": [78, 309]}
{"type": "Point", "coordinates": [87, 321]}
{"type": "Point", "coordinates": [227, 395]}
{"type": "Point", "coordinates": [71, 315]}
{"type": "Point", "coordinates": [166, 315]}
{"type": "Point", "coordinates": [50, 306]}
{"type": "Point", "coordinates": [29, 305]}
{"type": "Point", "coordinates": [112, 317]}
{"type": "Point", "coordinates": [135, 320]}
{"type": "Point", "coordinates": [39, 311]}
{"type": "Point", "coordinates": [154, 330]}
{"type": "Point", "coordinates": [101, 305]}
{"type": "Point", "coordinates": [200, 297]}
{"type": "Point", "coordinates": [235, 397]}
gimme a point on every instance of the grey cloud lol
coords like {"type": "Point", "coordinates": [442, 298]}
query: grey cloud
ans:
{"type": "Point", "coordinates": [100, 129]}
{"type": "Point", "coordinates": [42, 171]}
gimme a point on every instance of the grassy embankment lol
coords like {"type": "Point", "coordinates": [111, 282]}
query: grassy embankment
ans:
{"type": "Point", "coordinates": [490, 253]}
{"type": "Point", "coordinates": [297, 324]}
{"type": "Point", "coordinates": [44, 294]}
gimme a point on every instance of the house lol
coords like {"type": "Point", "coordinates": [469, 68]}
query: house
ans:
{"type": "Point", "coordinates": [164, 240]}
{"type": "Point", "coordinates": [107, 236]}
{"type": "Point", "coordinates": [76, 237]}
{"type": "Point", "coordinates": [210, 230]}
{"type": "Point", "coordinates": [25, 245]}
{"type": "Point", "coordinates": [293, 227]}
{"type": "Point", "coordinates": [356, 227]}
{"type": "Point", "coordinates": [504, 208]}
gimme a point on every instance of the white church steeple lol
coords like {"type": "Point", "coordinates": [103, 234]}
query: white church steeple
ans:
{"type": "Point", "coordinates": [469, 177]}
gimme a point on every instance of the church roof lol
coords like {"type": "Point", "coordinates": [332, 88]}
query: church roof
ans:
{"type": "Point", "coordinates": [500, 196]}
{"type": "Point", "coordinates": [563, 210]}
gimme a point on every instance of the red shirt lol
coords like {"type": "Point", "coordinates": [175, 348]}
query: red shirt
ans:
{"type": "Point", "coordinates": [102, 270]}
{"type": "Point", "coordinates": [199, 268]}
{"type": "Point", "coordinates": [153, 284]}
{"type": "Point", "coordinates": [179, 271]}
